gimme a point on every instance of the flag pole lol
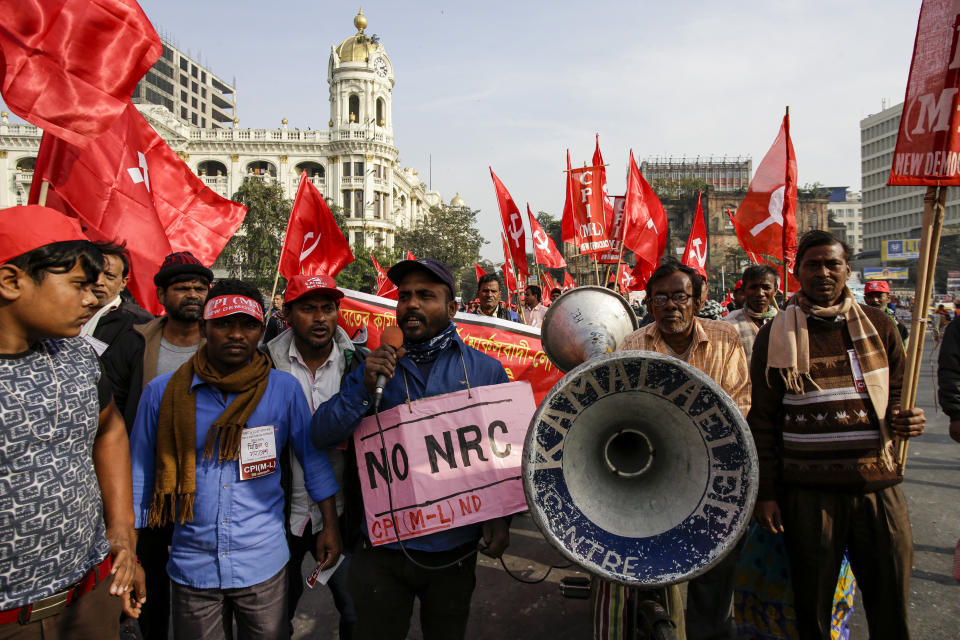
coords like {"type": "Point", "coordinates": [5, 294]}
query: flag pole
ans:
{"type": "Point", "coordinates": [933, 213]}
{"type": "Point", "coordinates": [44, 188]}
{"type": "Point", "coordinates": [276, 278]}
{"type": "Point", "coordinates": [786, 200]}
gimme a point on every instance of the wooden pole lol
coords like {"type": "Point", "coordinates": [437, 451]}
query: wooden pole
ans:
{"type": "Point", "coordinates": [276, 279]}
{"type": "Point", "coordinates": [596, 270]}
{"type": "Point", "coordinates": [42, 198]}
{"type": "Point", "coordinates": [786, 200]}
{"type": "Point", "coordinates": [933, 213]}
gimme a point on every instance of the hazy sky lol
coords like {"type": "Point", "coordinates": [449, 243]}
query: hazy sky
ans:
{"type": "Point", "coordinates": [513, 84]}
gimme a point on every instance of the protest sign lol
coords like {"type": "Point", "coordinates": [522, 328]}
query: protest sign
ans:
{"type": "Point", "coordinates": [450, 460]}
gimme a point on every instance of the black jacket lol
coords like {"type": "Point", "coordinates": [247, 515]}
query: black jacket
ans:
{"type": "Point", "coordinates": [948, 370]}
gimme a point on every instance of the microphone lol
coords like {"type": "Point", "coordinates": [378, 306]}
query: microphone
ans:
{"type": "Point", "coordinates": [392, 336]}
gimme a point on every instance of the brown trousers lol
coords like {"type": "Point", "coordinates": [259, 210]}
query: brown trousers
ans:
{"type": "Point", "coordinates": [95, 616]}
{"type": "Point", "coordinates": [875, 529]}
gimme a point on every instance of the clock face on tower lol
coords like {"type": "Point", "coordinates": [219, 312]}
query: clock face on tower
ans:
{"type": "Point", "coordinates": [380, 66]}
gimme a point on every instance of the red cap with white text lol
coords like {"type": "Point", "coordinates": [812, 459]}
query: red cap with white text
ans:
{"type": "Point", "coordinates": [876, 286]}
{"type": "Point", "coordinates": [223, 306]}
{"type": "Point", "coordinates": [299, 286]}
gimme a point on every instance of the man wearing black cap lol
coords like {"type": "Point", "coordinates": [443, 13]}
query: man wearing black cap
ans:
{"type": "Point", "coordinates": [136, 357]}
{"type": "Point", "coordinates": [437, 568]}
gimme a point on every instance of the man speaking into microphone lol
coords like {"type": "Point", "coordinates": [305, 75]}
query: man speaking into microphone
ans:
{"type": "Point", "coordinates": [438, 568]}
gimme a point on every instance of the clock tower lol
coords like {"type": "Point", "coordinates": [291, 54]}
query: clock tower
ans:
{"type": "Point", "coordinates": [362, 149]}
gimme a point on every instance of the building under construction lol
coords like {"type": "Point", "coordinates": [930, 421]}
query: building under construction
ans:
{"type": "Point", "coordinates": [726, 173]}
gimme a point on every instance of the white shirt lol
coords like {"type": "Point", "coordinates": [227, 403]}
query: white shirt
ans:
{"type": "Point", "coordinates": [535, 316]}
{"type": "Point", "coordinates": [317, 388]}
{"type": "Point", "coordinates": [91, 325]}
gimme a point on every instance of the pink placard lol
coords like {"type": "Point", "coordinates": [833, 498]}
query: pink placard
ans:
{"type": "Point", "coordinates": [454, 460]}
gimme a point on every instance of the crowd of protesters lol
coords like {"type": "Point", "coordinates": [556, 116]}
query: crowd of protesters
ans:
{"type": "Point", "coordinates": [130, 499]}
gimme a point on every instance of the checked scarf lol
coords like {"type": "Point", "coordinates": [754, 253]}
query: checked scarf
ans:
{"type": "Point", "coordinates": [789, 352]}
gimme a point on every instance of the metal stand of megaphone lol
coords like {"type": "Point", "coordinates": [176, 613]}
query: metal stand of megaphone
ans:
{"type": "Point", "coordinates": [637, 466]}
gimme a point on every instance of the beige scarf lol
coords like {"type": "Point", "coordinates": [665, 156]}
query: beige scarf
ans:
{"type": "Point", "coordinates": [789, 352]}
{"type": "Point", "coordinates": [176, 467]}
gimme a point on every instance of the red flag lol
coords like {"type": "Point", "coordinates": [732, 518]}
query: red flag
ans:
{"type": "Point", "coordinates": [766, 221]}
{"type": "Point", "coordinates": [568, 230]}
{"type": "Point", "coordinates": [480, 272]}
{"type": "Point", "coordinates": [544, 250]}
{"type": "Point", "coordinates": [410, 255]}
{"type": "Point", "coordinates": [313, 243]}
{"type": "Point", "coordinates": [129, 185]}
{"type": "Point", "coordinates": [509, 278]}
{"type": "Point", "coordinates": [928, 143]}
{"type": "Point", "coordinates": [644, 220]}
{"type": "Point", "coordinates": [585, 204]}
{"type": "Point", "coordinates": [607, 204]}
{"type": "Point", "coordinates": [615, 231]}
{"type": "Point", "coordinates": [512, 226]}
{"type": "Point", "coordinates": [549, 283]}
{"type": "Point", "coordinates": [385, 288]}
{"type": "Point", "coordinates": [71, 65]}
{"type": "Point", "coordinates": [695, 253]}
{"type": "Point", "coordinates": [727, 300]}
{"type": "Point", "coordinates": [568, 282]}
{"type": "Point", "coordinates": [641, 274]}
{"type": "Point", "coordinates": [626, 281]}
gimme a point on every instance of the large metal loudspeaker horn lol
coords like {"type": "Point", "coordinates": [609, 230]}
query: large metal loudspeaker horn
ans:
{"type": "Point", "coordinates": [637, 466]}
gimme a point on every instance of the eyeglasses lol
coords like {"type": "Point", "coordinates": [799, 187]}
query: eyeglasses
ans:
{"type": "Point", "coordinates": [678, 298]}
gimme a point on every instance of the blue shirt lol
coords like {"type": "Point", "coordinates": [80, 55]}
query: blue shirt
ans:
{"type": "Point", "coordinates": [236, 538]}
{"type": "Point", "coordinates": [337, 418]}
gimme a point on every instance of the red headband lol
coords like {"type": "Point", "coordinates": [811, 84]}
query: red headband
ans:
{"type": "Point", "coordinates": [223, 306]}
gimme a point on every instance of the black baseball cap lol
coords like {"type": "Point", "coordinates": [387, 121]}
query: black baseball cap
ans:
{"type": "Point", "coordinates": [439, 270]}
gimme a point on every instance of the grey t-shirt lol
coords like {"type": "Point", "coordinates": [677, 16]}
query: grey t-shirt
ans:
{"type": "Point", "coordinates": [171, 356]}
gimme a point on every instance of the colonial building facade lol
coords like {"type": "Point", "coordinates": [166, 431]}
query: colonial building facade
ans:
{"type": "Point", "coordinates": [353, 163]}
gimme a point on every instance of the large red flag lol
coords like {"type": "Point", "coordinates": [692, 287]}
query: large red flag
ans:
{"type": "Point", "coordinates": [585, 204]}
{"type": "Point", "coordinates": [766, 221]}
{"type": "Point", "coordinates": [695, 253]}
{"type": "Point", "coordinates": [607, 203]}
{"type": "Point", "coordinates": [509, 279]}
{"type": "Point", "coordinates": [129, 185]}
{"type": "Point", "coordinates": [71, 65]}
{"type": "Point", "coordinates": [385, 288]}
{"type": "Point", "coordinates": [480, 272]}
{"type": "Point", "coordinates": [644, 220]}
{"type": "Point", "coordinates": [928, 140]}
{"type": "Point", "coordinates": [512, 226]}
{"type": "Point", "coordinates": [568, 282]}
{"type": "Point", "coordinates": [544, 250]}
{"type": "Point", "coordinates": [313, 243]}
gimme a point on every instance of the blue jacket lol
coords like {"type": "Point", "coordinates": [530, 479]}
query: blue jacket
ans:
{"type": "Point", "coordinates": [335, 420]}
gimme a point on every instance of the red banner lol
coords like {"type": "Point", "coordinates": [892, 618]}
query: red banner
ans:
{"type": "Point", "coordinates": [615, 230]}
{"type": "Point", "coordinates": [585, 196]}
{"type": "Point", "coordinates": [928, 143]}
{"type": "Point", "coordinates": [515, 345]}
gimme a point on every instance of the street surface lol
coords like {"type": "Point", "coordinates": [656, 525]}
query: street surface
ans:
{"type": "Point", "coordinates": [504, 609]}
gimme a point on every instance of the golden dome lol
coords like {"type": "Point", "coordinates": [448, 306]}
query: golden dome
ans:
{"type": "Point", "coordinates": [358, 47]}
{"type": "Point", "coordinates": [458, 201]}
{"type": "Point", "coordinates": [284, 121]}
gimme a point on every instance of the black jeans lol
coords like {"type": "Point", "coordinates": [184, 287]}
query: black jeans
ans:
{"type": "Point", "coordinates": [260, 611]}
{"type": "Point", "coordinates": [152, 545]}
{"type": "Point", "coordinates": [299, 547]}
{"type": "Point", "coordinates": [383, 584]}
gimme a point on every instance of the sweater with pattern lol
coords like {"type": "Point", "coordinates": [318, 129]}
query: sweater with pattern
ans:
{"type": "Point", "coordinates": [827, 438]}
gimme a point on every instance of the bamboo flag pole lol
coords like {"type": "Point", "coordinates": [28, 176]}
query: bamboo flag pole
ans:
{"type": "Point", "coordinates": [786, 200]}
{"type": "Point", "coordinates": [933, 213]}
{"type": "Point", "coordinates": [44, 188]}
{"type": "Point", "coordinates": [596, 270]}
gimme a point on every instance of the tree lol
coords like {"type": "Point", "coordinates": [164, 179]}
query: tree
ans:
{"type": "Point", "coordinates": [448, 234]}
{"type": "Point", "coordinates": [253, 252]}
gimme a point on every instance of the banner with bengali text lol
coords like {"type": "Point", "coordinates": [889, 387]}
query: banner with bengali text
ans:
{"type": "Point", "coordinates": [517, 346]}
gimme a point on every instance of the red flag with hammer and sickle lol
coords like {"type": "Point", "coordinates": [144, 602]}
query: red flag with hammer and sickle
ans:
{"type": "Point", "coordinates": [544, 250]}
